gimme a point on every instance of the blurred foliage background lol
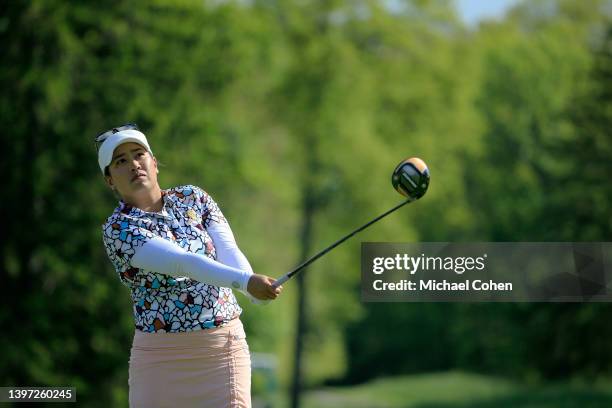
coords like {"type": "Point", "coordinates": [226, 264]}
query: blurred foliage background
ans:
{"type": "Point", "coordinates": [292, 115]}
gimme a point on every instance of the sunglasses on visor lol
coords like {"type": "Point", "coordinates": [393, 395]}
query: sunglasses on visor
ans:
{"type": "Point", "coordinates": [104, 135]}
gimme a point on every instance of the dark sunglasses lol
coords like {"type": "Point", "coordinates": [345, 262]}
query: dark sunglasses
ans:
{"type": "Point", "coordinates": [104, 135]}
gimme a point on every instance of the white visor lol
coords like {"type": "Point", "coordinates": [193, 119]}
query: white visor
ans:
{"type": "Point", "coordinates": [105, 154]}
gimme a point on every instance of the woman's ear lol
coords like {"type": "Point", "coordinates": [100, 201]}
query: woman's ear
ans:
{"type": "Point", "coordinates": [109, 182]}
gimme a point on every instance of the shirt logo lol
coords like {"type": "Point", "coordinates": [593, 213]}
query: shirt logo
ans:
{"type": "Point", "coordinates": [193, 217]}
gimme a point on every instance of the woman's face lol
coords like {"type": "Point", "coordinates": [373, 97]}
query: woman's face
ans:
{"type": "Point", "coordinates": [132, 169]}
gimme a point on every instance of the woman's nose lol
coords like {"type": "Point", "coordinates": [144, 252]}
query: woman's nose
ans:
{"type": "Point", "coordinates": [135, 164]}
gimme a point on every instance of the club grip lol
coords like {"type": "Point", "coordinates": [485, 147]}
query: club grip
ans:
{"type": "Point", "coordinates": [281, 280]}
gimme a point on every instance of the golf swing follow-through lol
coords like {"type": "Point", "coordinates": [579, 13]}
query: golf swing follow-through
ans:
{"type": "Point", "coordinates": [175, 251]}
{"type": "Point", "coordinates": [410, 178]}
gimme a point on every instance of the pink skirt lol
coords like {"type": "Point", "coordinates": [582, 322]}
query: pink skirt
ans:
{"type": "Point", "coordinates": [204, 368]}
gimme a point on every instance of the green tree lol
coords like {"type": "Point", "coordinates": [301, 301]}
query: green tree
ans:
{"type": "Point", "coordinates": [70, 71]}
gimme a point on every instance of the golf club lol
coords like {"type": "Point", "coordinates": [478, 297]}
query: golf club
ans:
{"type": "Point", "coordinates": [410, 178]}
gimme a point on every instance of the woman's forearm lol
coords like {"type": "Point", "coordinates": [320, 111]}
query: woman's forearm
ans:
{"type": "Point", "coordinates": [162, 256]}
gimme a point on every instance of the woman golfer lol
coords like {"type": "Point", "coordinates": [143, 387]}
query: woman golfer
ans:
{"type": "Point", "coordinates": [176, 252]}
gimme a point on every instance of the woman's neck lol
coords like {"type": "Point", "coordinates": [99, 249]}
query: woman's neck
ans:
{"type": "Point", "coordinates": [147, 200]}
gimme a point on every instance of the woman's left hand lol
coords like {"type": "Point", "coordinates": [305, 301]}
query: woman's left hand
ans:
{"type": "Point", "coordinates": [260, 287]}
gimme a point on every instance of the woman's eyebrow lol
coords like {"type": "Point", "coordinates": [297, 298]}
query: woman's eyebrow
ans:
{"type": "Point", "coordinates": [123, 154]}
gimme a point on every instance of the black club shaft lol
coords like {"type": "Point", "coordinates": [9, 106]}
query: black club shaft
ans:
{"type": "Point", "coordinates": [304, 264]}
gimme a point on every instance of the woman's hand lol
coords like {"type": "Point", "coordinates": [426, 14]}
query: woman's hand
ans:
{"type": "Point", "coordinates": [260, 287]}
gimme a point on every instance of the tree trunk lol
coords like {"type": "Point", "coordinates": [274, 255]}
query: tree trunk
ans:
{"type": "Point", "coordinates": [309, 207]}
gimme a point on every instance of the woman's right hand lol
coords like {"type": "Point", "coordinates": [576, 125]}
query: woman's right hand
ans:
{"type": "Point", "coordinates": [260, 287]}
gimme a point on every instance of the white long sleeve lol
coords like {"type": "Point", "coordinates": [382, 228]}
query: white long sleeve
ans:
{"type": "Point", "coordinates": [162, 256]}
{"type": "Point", "coordinates": [229, 254]}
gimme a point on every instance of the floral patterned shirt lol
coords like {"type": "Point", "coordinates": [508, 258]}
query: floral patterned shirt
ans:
{"type": "Point", "coordinates": [163, 303]}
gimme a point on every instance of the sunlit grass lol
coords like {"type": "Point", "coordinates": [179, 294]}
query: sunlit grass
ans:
{"type": "Point", "coordinates": [455, 390]}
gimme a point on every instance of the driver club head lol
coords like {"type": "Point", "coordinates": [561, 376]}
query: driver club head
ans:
{"type": "Point", "coordinates": [411, 178]}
